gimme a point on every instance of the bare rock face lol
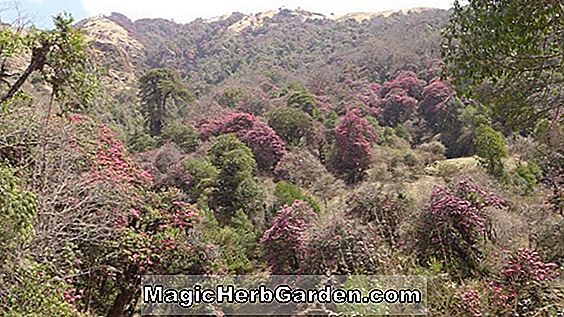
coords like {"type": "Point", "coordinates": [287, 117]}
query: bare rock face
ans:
{"type": "Point", "coordinates": [114, 47]}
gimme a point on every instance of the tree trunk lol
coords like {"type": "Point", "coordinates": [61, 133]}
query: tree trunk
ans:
{"type": "Point", "coordinates": [38, 59]}
{"type": "Point", "coordinates": [121, 301]}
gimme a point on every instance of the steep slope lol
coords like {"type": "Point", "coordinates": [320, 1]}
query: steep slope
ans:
{"type": "Point", "coordinates": [278, 45]}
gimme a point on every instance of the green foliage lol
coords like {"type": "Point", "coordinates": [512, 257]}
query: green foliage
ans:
{"type": "Point", "coordinates": [491, 148]}
{"type": "Point", "coordinates": [290, 123]}
{"type": "Point", "coordinates": [203, 176]}
{"type": "Point", "coordinates": [60, 57]}
{"type": "Point", "coordinates": [18, 209]}
{"type": "Point", "coordinates": [235, 243]}
{"type": "Point", "coordinates": [527, 176]}
{"type": "Point", "coordinates": [36, 293]}
{"type": "Point", "coordinates": [156, 88]}
{"type": "Point", "coordinates": [230, 97]}
{"type": "Point", "coordinates": [141, 140]}
{"type": "Point", "coordinates": [236, 188]}
{"type": "Point", "coordinates": [515, 47]}
{"type": "Point", "coordinates": [302, 99]}
{"type": "Point", "coordinates": [287, 193]}
{"type": "Point", "coordinates": [185, 136]}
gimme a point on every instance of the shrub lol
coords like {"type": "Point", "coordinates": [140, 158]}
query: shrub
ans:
{"type": "Point", "coordinates": [18, 209]}
{"type": "Point", "coordinates": [306, 171]}
{"type": "Point", "coordinates": [491, 148]}
{"type": "Point", "coordinates": [183, 135]}
{"type": "Point", "coordinates": [355, 137]}
{"type": "Point", "coordinates": [523, 287]}
{"type": "Point", "coordinates": [284, 242]}
{"type": "Point", "coordinates": [406, 81]}
{"type": "Point", "coordinates": [434, 102]}
{"type": "Point", "coordinates": [342, 246]}
{"type": "Point", "coordinates": [291, 124]}
{"type": "Point", "coordinates": [302, 99]}
{"type": "Point", "coordinates": [268, 148]}
{"type": "Point", "coordinates": [527, 176]}
{"type": "Point", "coordinates": [384, 210]}
{"type": "Point", "coordinates": [397, 107]}
{"type": "Point", "coordinates": [453, 225]}
{"type": "Point", "coordinates": [203, 177]}
{"type": "Point", "coordinates": [234, 243]}
{"type": "Point", "coordinates": [287, 193]}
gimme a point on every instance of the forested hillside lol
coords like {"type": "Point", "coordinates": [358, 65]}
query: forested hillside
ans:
{"type": "Point", "coordinates": [420, 142]}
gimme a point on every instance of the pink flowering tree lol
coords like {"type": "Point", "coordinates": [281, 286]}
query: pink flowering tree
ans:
{"type": "Point", "coordinates": [405, 80]}
{"type": "Point", "coordinates": [267, 146]}
{"type": "Point", "coordinates": [284, 242]}
{"type": "Point", "coordinates": [397, 107]}
{"type": "Point", "coordinates": [433, 106]}
{"type": "Point", "coordinates": [354, 139]}
{"type": "Point", "coordinates": [150, 232]}
{"type": "Point", "coordinates": [454, 224]}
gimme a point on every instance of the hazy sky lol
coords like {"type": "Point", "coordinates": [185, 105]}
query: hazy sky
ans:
{"type": "Point", "coordinates": [40, 11]}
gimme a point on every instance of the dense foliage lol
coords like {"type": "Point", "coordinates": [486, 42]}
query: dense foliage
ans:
{"type": "Point", "coordinates": [304, 145]}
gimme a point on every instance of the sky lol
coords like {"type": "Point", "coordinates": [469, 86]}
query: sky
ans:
{"type": "Point", "coordinates": [39, 12]}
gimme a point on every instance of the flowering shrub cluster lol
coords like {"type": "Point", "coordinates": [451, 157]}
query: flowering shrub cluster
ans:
{"type": "Point", "coordinates": [522, 282]}
{"type": "Point", "coordinates": [109, 159]}
{"type": "Point", "coordinates": [454, 223]}
{"type": "Point", "coordinates": [343, 246]}
{"type": "Point", "coordinates": [268, 148]}
{"type": "Point", "coordinates": [286, 239]}
{"type": "Point", "coordinates": [435, 98]}
{"type": "Point", "coordinates": [355, 137]}
{"type": "Point", "coordinates": [397, 107]}
{"type": "Point", "coordinates": [406, 81]}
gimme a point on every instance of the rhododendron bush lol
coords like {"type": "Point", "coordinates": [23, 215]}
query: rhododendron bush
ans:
{"type": "Point", "coordinates": [343, 246]}
{"type": "Point", "coordinates": [285, 241]}
{"type": "Point", "coordinates": [354, 139]}
{"type": "Point", "coordinates": [268, 148]}
{"type": "Point", "coordinates": [523, 287]}
{"type": "Point", "coordinates": [454, 224]}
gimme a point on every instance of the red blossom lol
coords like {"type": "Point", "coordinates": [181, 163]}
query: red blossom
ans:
{"type": "Point", "coordinates": [267, 146]}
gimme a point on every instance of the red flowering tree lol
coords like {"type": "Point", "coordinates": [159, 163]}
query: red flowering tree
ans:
{"type": "Point", "coordinates": [397, 107]}
{"type": "Point", "coordinates": [268, 147]}
{"type": "Point", "coordinates": [454, 223]}
{"type": "Point", "coordinates": [286, 239]}
{"type": "Point", "coordinates": [354, 139]}
{"type": "Point", "coordinates": [434, 103]}
{"type": "Point", "coordinates": [406, 81]}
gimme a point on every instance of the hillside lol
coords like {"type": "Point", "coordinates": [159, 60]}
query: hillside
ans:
{"type": "Point", "coordinates": [419, 142]}
{"type": "Point", "coordinates": [210, 52]}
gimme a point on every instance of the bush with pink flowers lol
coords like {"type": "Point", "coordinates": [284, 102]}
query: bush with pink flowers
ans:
{"type": "Point", "coordinates": [354, 140]}
{"type": "Point", "coordinates": [285, 241]}
{"type": "Point", "coordinates": [455, 222]}
{"type": "Point", "coordinates": [268, 147]}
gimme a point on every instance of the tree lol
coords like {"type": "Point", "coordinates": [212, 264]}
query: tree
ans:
{"type": "Point", "coordinates": [236, 188]}
{"type": "Point", "coordinates": [355, 137]}
{"type": "Point", "coordinates": [290, 123]}
{"type": "Point", "coordinates": [60, 56]}
{"type": "Point", "coordinates": [397, 107]}
{"type": "Point", "coordinates": [286, 239]}
{"type": "Point", "coordinates": [491, 148]}
{"type": "Point", "coordinates": [156, 88]}
{"type": "Point", "coordinates": [515, 47]}
{"type": "Point", "coordinates": [267, 146]}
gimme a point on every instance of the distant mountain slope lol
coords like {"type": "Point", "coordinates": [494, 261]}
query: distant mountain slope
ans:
{"type": "Point", "coordinates": [276, 45]}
